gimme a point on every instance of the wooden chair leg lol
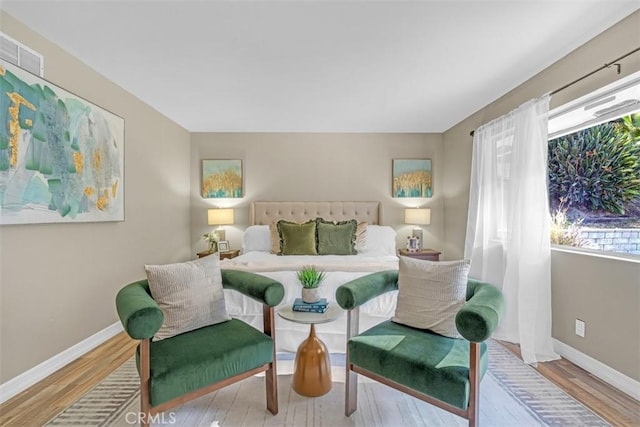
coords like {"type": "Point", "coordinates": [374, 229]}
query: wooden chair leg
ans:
{"type": "Point", "coordinates": [474, 383]}
{"type": "Point", "coordinates": [271, 376]}
{"type": "Point", "coordinates": [351, 392]}
{"type": "Point", "coordinates": [351, 381]}
{"type": "Point", "coordinates": [145, 375]}
{"type": "Point", "coordinates": [271, 382]}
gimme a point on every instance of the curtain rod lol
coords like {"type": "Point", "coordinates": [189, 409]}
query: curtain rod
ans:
{"type": "Point", "coordinates": [579, 79]}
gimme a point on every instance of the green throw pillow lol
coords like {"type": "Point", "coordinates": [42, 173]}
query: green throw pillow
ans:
{"type": "Point", "coordinates": [297, 239]}
{"type": "Point", "coordinates": [336, 238]}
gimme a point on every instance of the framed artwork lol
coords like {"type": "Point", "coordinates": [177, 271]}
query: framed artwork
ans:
{"type": "Point", "coordinates": [412, 178]}
{"type": "Point", "coordinates": [413, 244]}
{"type": "Point", "coordinates": [222, 179]}
{"type": "Point", "coordinates": [223, 246]}
{"type": "Point", "coordinates": [61, 157]}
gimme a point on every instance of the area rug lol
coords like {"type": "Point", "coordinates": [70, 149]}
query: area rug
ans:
{"type": "Point", "coordinates": [512, 394]}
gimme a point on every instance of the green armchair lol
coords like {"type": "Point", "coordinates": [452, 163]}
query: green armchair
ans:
{"type": "Point", "coordinates": [442, 371]}
{"type": "Point", "coordinates": [184, 367]}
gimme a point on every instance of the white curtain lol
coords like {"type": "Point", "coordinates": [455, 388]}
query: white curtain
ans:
{"type": "Point", "coordinates": [507, 237]}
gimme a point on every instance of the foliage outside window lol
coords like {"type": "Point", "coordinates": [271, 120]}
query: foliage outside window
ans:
{"type": "Point", "coordinates": [594, 186]}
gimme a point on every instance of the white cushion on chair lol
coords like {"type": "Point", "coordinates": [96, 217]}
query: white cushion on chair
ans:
{"type": "Point", "coordinates": [189, 294]}
{"type": "Point", "coordinates": [431, 293]}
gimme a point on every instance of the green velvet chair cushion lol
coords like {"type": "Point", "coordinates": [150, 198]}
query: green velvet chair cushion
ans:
{"type": "Point", "coordinates": [358, 291]}
{"type": "Point", "coordinates": [256, 286]}
{"type": "Point", "coordinates": [187, 362]}
{"type": "Point", "coordinates": [480, 316]}
{"type": "Point", "coordinates": [139, 313]}
{"type": "Point", "coordinates": [424, 361]}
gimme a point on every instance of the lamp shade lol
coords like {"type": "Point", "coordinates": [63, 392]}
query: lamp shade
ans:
{"type": "Point", "coordinates": [417, 216]}
{"type": "Point", "coordinates": [220, 216]}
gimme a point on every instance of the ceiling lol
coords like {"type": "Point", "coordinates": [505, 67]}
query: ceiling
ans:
{"type": "Point", "coordinates": [319, 66]}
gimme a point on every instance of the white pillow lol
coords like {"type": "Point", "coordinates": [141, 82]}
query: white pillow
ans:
{"type": "Point", "coordinates": [380, 240]}
{"type": "Point", "coordinates": [431, 293]}
{"type": "Point", "coordinates": [189, 294]}
{"type": "Point", "coordinates": [256, 238]}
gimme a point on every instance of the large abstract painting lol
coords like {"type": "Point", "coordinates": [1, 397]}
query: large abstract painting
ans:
{"type": "Point", "coordinates": [222, 178]}
{"type": "Point", "coordinates": [412, 178]}
{"type": "Point", "coordinates": [61, 157]}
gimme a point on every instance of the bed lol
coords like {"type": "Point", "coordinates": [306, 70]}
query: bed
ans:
{"type": "Point", "coordinates": [376, 251]}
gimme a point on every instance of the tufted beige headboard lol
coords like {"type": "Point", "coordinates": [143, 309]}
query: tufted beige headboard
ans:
{"type": "Point", "coordinates": [265, 213]}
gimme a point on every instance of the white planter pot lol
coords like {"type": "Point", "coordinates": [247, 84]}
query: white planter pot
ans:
{"type": "Point", "coordinates": [310, 295]}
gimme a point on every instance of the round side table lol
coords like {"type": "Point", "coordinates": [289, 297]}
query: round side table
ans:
{"type": "Point", "coordinates": [312, 368]}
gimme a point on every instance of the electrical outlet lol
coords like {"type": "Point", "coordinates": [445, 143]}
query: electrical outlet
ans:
{"type": "Point", "coordinates": [580, 328]}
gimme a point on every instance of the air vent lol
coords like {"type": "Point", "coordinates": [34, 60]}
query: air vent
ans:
{"type": "Point", "coordinates": [18, 54]}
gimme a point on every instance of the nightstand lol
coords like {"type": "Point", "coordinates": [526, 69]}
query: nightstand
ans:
{"type": "Point", "coordinates": [230, 254]}
{"type": "Point", "coordinates": [427, 254]}
{"type": "Point", "coordinates": [223, 255]}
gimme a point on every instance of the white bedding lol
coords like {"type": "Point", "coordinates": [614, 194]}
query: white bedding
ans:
{"type": "Point", "coordinates": [339, 270]}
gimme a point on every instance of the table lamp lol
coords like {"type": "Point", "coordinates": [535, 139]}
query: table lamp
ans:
{"type": "Point", "coordinates": [220, 217]}
{"type": "Point", "coordinates": [417, 217]}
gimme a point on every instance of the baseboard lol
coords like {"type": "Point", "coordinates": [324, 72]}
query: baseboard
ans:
{"type": "Point", "coordinates": [605, 373]}
{"type": "Point", "coordinates": [38, 373]}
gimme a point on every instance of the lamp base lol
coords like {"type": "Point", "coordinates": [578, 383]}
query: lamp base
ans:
{"type": "Point", "coordinates": [417, 232]}
{"type": "Point", "coordinates": [220, 233]}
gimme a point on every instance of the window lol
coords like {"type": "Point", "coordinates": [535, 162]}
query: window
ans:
{"type": "Point", "coordinates": [594, 169]}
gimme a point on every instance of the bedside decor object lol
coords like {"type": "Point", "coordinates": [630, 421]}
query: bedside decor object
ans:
{"type": "Point", "coordinates": [310, 279]}
{"type": "Point", "coordinates": [61, 156]}
{"type": "Point", "coordinates": [220, 217]}
{"type": "Point", "coordinates": [417, 217]}
{"type": "Point", "coordinates": [222, 179]}
{"type": "Point", "coordinates": [212, 240]}
{"type": "Point", "coordinates": [223, 246]}
{"type": "Point", "coordinates": [412, 178]}
{"type": "Point", "coordinates": [413, 244]}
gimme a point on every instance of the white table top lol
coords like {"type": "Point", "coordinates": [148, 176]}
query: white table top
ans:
{"type": "Point", "coordinates": [333, 312]}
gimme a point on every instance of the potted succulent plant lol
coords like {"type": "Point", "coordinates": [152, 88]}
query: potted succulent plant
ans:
{"type": "Point", "coordinates": [310, 279]}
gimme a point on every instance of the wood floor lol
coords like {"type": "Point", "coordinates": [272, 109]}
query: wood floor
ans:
{"type": "Point", "coordinates": [38, 404]}
{"type": "Point", "coordinates": [41, 402]}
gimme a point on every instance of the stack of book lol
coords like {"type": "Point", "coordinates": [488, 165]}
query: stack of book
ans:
{"type": "Point", "coordinates": [316, 307]}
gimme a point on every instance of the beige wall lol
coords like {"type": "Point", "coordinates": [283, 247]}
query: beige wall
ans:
{"type": "Point", "coordinates": [58, 281]}
{"type": "Point", "coordinates": [613, 286]}
{"type": "Point", "coordinates": [318, 166]}
{"type": "Point", "coordinates": [605, 294]}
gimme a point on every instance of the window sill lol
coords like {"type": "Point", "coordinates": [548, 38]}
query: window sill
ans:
{"type": "Point", "coordinates": [596, 253]}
